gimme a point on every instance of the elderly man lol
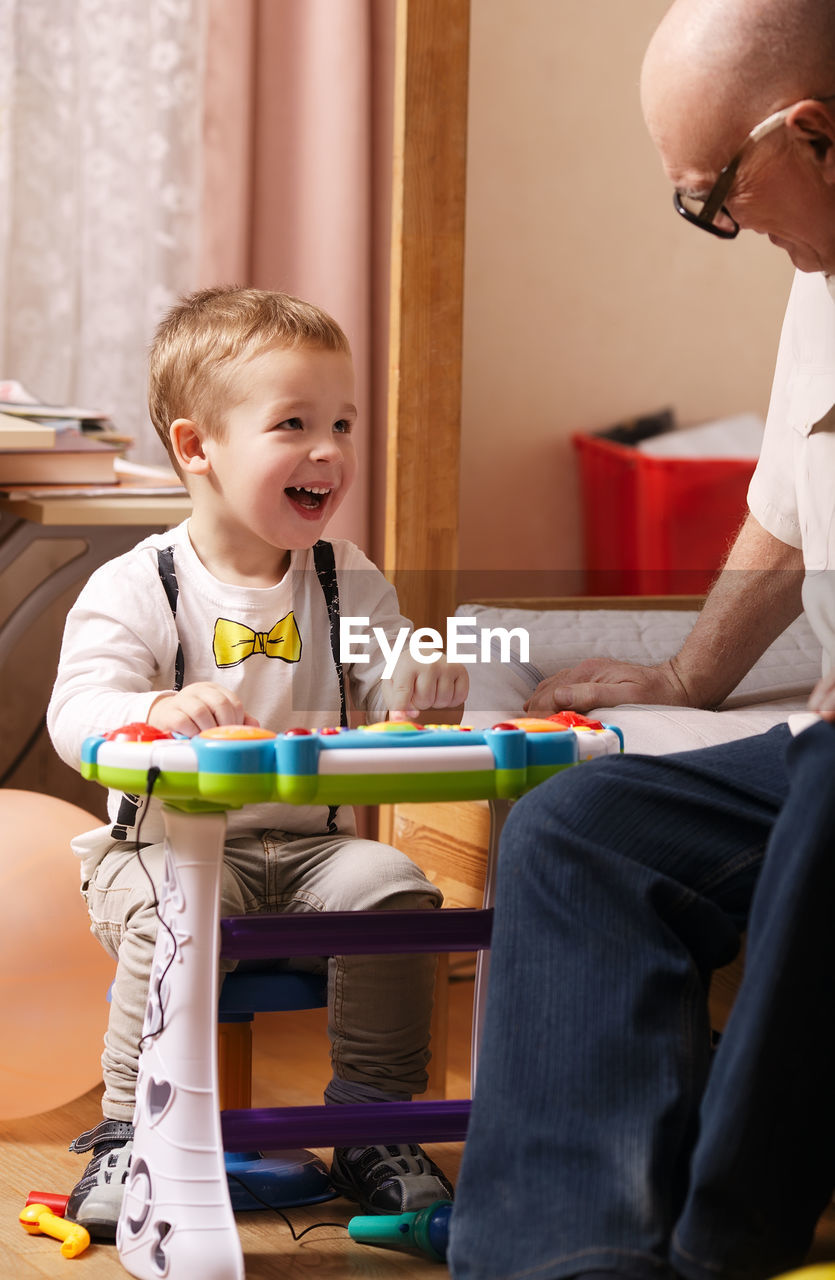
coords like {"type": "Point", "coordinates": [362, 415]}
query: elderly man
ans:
{"type": "Point", "coordinates": [604, 1141]}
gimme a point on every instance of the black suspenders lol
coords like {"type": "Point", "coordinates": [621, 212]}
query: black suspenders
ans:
{"type": "Point", "coordinates": [323, 558]}
{"type": "Point", "coordinates": [168, 578]}
{"type": "Point", "coordinates": [325, 563]}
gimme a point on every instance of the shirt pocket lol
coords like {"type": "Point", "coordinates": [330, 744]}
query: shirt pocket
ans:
{"type": "Point", "coordinates": [812, 420]}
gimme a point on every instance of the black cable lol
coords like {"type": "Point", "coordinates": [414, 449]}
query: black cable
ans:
{"type": "Point", "coordinates": [297, 1235]}
{"type": "Point", "coordinates": [153, 774]}
{"type": "Point", "coordinates": [24, 751]}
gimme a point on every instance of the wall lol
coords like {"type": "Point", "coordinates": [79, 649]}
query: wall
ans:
{"type": "Point", "coordinates": [321, 194]}
{"type": "Point", "coordinates": [587, 299]}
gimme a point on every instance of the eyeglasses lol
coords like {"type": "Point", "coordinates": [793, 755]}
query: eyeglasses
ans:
{"type": "Point", "coordinates": [709, 212]}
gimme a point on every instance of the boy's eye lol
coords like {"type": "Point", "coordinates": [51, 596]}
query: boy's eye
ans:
{"type": "Point", "coordinates": [343, 426]}
{"type": "Point", "coordinates": [291, 424]}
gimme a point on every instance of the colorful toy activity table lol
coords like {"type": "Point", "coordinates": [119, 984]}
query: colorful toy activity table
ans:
{"type": "Point", "coordinates": [176, 1220]}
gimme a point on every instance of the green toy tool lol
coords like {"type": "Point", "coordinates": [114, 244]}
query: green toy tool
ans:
{"type": "Point", "coordinates": [426, 1230]}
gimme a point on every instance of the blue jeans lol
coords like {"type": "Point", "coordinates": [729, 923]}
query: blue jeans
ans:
{"type": "Point", "coordinates": [602, 1135]}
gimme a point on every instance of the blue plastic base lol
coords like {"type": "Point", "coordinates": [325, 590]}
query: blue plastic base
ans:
{"type": "Point", "coordinates": [278, 1180]}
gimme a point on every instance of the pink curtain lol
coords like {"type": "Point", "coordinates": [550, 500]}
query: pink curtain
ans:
{"type": "Point", "coordinates": [297, 179]}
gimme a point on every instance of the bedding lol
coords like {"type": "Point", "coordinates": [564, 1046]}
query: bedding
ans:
{"type": "Point", "coordinates": [776, 688]}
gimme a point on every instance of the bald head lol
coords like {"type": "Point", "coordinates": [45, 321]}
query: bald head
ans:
{"type": "Point", "coordinates": [723, 65]}
{"type": "Point", "coordinates": [717, 68]}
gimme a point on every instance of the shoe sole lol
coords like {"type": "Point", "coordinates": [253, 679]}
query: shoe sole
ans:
{"type": "Point", "coordinates": [103, 1232]}
{"type": "Point", "coordinates": [349, 1192]}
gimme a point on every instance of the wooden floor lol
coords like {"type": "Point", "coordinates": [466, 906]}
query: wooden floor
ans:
{"type": "Point", "coordinates": [33, 1156]}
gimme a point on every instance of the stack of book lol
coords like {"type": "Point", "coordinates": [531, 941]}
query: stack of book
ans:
{"type": "Point", "coordinates": [60, 449]}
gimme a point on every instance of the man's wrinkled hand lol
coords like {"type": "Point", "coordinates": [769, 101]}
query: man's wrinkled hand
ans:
{"type": "Point", "coordinates": [606, 682]}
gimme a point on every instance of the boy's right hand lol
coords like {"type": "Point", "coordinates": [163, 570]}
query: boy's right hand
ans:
{"type": "Point", "coordinates": [199, 706]}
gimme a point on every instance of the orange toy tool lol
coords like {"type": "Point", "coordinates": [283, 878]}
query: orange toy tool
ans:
{"type": "Point", "coordinates": [36, 1218]}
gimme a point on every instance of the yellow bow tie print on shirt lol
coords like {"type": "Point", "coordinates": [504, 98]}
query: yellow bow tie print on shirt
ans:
{"type": "Point", "coordinates": [233, 641]}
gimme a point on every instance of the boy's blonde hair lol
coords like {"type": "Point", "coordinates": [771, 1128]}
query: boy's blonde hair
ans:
{"type": "Point", "coordinates": [201, 337]}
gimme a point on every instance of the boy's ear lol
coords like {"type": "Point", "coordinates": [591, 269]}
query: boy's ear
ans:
{"type": "Point", "coordinates": [187, 442]}
{"type": "Point", "coordinates": [812, 125]}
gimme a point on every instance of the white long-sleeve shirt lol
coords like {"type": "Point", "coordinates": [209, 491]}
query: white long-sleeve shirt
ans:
{"type": "Point", "coordinates": [120, 646]}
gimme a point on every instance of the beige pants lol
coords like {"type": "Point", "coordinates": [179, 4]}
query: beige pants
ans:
{"type": "Point", "coordinates": [379, 1007]}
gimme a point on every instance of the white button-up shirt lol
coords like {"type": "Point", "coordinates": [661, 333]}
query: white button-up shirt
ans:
{"type": "Point", "coordinates": [792, 492]}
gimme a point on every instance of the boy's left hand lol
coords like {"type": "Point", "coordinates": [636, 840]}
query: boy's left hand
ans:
{"type": "Point", "coordinates": [417, 686]}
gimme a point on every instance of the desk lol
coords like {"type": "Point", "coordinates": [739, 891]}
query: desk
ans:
{"type": "Point", "coordinates": [104, 526]}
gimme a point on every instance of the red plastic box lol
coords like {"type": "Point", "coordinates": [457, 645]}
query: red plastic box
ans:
{"type": "Point", "coordinates": [656, 526]}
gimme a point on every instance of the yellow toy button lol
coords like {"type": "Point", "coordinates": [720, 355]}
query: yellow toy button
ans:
{"type": "Point", "coordinates": [236, 732]}
{"type": "Point", "coordinates": [392, 726]}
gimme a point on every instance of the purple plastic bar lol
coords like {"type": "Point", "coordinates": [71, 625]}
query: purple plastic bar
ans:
{"type": "Point", "coordinates": [377, 1123]}
{"type": "Point", "coordinates": [336, 933]}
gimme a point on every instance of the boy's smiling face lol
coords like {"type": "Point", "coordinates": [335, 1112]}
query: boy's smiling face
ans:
{"type": "Point", "coordinates": [283, 465]}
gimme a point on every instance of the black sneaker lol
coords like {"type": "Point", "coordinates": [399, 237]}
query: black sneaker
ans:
{"type": "Point", "coordinates": [96, 1200]}
{"type": "Point", "coordinates": [397, 1179]}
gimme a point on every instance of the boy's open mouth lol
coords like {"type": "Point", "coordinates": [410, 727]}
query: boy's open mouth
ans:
{"type": "Point", "coordinates": [310, 498]}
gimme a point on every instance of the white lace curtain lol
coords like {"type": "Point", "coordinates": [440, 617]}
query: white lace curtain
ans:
{"type": "Point", "coordinates": [101, 109]}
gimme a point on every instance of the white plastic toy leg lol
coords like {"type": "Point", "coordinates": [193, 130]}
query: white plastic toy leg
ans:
{"type": "Point", "coordinates": [176, 1221]}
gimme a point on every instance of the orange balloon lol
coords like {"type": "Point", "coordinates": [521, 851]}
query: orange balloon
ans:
{"type": "Point", "coordinates": [54, 975]}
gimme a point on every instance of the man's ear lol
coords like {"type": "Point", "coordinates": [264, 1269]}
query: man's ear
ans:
{"type": "Point", "coordinates": [187, 442]}
{"type": "Point", "coordinates": [811, 125]}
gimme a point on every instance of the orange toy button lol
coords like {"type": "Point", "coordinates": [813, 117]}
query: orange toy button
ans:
{"type": "Point", "coordinates": [533, 725]}
{"type": "Point", "coordinates": [236, 732]}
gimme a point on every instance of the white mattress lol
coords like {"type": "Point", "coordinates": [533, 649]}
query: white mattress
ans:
{"type": "Point", "coordinates": [776, 687]}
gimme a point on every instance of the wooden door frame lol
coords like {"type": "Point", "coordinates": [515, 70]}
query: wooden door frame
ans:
{"type": "Point", "coordinates": [427, 285]}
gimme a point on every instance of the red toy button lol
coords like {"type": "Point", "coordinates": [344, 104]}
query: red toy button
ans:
{"type": "Point", "coordinates": [572, 720]}
{"type": "Point", "coordinates": [136, 732]}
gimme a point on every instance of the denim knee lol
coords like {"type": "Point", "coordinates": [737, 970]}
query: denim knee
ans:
{"type": "Point", "coordinates": [569, 802]}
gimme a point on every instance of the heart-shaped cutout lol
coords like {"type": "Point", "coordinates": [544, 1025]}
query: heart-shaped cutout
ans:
{"type": "Point", "coordinates": [162, 1230]}
{"type": "Point", "coordinates": [158, 1097]}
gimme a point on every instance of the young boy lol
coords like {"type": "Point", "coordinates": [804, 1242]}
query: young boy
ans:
{"type": "Point", "coordinates": [252, 393]}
